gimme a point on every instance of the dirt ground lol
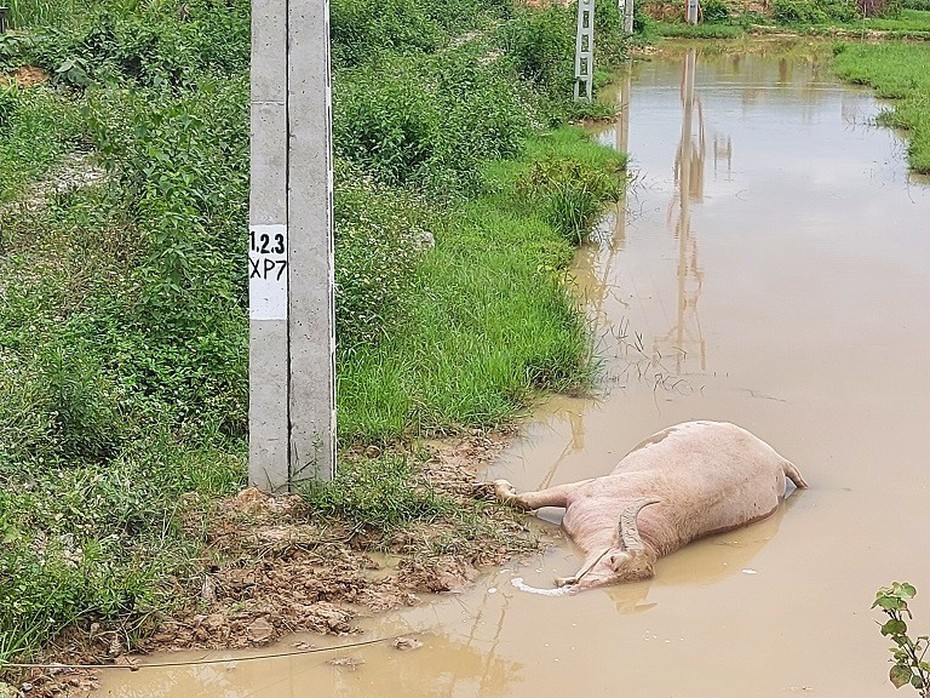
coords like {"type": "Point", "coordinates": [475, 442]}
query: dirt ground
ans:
{"type": "Point", "coordinates": [25, 76]}
{"type": "Point", "coordinates": [270, 569]}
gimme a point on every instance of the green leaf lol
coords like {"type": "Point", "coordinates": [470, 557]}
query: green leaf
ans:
{"type": "Point", "coordinates": [900, 675]}
{"type": "Point", "coordinates": [890, 603]}
{"type": "Point", "coordinates": [894, 627]}
{"type": "Point", "coordinates": [916, 681]}
{"type": "Point", "coordinates": [908, 591]}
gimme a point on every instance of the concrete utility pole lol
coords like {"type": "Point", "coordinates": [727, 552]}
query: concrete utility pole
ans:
{"type": "Point", "coordinates": [692, 11]}
{"type": "Point", "coordinates": [291, 322]}
{"type": "Point", "coordinates": [584, 51]}
{"type": "Point", "coordinates": [628, 16]}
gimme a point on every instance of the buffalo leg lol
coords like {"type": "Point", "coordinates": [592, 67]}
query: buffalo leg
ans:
{"type": "Point", "coordinates": [529, 501]}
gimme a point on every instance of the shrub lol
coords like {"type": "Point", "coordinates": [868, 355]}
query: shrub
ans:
{"type": "Point", "coordinates": [362, 29]}
{"type": "Point", "coordinates": [541, 42]}
{"type": "Point", "coordinates": [429, 121]}
{"type": "Point", "coordinates": [380, 235]}
{"type": "Point", "coordinates": [149, 47]}
{"type": "Point", "coordinates": [715, 11]}
{"type": "Point", "coordinates": [813, 11]}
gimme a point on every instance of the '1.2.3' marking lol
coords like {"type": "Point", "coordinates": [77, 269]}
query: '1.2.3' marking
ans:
{"type": "Point", "coordinates": [263, 260]}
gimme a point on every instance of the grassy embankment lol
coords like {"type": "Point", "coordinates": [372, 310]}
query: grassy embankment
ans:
{"type": "Point", "coordinates": [900, 72]}
{"type": "Point", "coordinates": [123, 319]}
{"type": "Point", "coordinates": [909, 19]}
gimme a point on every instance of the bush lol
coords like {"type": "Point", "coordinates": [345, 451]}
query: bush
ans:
{"type": "Point", "coordinates": [150, 47]}
{"type": "Point", "coordinates": [429, 121]}
{"type": "Point", "coordinates": [541, 44]}
{"type": "Point", "coordinates": [715, 11]}
{"type": "Point", "coordinates": [380, 235]}
{"type": "Point", "coordinates": [362, 29]}
{"type": "Point", "coordinates": [813, 11]}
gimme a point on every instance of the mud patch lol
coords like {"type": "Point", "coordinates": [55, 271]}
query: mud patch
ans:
{"type": "Point", "coordinates": [272, 568]}
{"type": "Point", "coordinates": [25, 76]}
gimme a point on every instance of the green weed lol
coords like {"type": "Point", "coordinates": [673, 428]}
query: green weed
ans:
{"type": "Point", "coordinates": [813, 12]}
{"type": "Point", "coordinates": [908, 652]}
{"type": "Point", "coordinates": [380, 495]}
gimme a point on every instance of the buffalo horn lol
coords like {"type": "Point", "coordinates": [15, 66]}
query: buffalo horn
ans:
{"type": "Point", "coordinates": [629, 531]}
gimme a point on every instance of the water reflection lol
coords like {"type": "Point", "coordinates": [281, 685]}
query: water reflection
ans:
{"type": "Point", "coordinates": [469, 666]}
{"type": "Point", "coordinates": [685, 340]}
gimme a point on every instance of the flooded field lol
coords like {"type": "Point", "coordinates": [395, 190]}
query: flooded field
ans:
{"type": "Point", "coordinates": [770, 269]}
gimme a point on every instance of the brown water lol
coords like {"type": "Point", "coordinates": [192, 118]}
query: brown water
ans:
{"type": "Point", "coordinates": [772, 270]}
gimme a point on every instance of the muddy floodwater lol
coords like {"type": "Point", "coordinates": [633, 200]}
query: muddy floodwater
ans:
{"type": "Point", "coordinates": [771, 267]}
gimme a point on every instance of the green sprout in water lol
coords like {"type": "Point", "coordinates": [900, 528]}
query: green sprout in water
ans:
{"type": "Point", "coordinates": [907, 654]}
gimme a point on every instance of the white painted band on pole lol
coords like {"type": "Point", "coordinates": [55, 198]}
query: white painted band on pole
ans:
{"type": "Point", "coordinates": [268, 272]}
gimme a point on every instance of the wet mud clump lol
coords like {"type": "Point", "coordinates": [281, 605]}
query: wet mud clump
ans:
{"type": "Point", "coordinates": [278, 565]}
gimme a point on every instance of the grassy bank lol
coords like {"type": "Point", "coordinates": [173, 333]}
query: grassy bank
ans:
{"type": "Point", "coordinates": [900, 72]}
{"type": "Point", "coordinates": [123, 322]}
{"type": "Point", "coordinates": [909, 19]}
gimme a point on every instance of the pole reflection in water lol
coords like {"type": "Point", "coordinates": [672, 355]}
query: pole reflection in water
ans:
{"type": "Point", "coordinates": [686, 338]}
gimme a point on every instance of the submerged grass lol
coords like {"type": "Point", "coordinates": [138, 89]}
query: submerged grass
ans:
{"type": "Point", "coordinates": [900, 72]}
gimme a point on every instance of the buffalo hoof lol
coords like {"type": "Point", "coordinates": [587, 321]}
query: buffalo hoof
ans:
{"type": "Point", "coordinates": [504, 491]}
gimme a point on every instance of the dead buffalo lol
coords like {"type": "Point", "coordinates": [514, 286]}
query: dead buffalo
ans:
{"type": "Point", "coordinates": [686, 482]}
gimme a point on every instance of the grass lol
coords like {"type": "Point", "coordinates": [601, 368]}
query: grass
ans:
{"type": "Point", "coordinates": [123, 321]}
{"type": "Point", "coordinates": [43, 132]}
{"type": "Point", "coordinates": [802, 17]}
{"type": "Point", "coordinates": [906, 24]}
{"type": "Point", "coordinates": [675, 30]}
{"type": "Point", "coordinates": [493, 324]}
{"type": "Point", "coordinates": [901, 73]}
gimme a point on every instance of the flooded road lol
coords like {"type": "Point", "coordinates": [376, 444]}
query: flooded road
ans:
{"type": "Point", "coordinates": [771, 270]}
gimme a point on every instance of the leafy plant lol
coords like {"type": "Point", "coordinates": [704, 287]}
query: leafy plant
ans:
{"type": "Point", "coordinates": [814, 11]}
{"type": "Point", "coordinates": [908, 653]}
{"type": "Point", "coordinates": [715, 10]}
